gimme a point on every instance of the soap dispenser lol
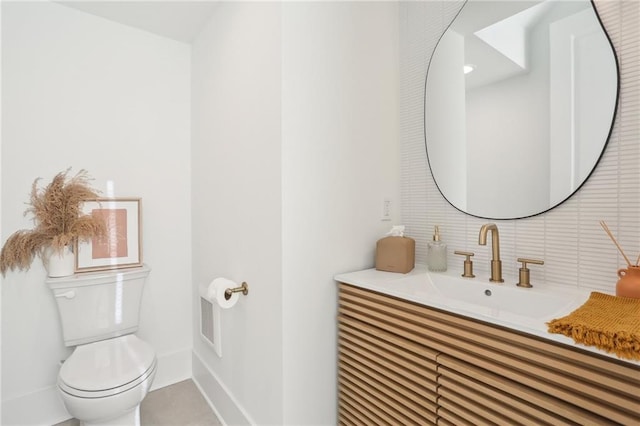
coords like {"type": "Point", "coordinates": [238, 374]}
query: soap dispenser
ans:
{"type": "Point", "coordinates": [436, 253]}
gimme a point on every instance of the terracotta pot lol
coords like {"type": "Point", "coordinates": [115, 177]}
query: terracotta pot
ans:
{"type": "Point", "coordinates": [629, 283]}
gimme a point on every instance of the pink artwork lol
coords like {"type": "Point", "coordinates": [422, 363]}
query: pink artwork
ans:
{"type": "Point", "coordinates": [114, 244]}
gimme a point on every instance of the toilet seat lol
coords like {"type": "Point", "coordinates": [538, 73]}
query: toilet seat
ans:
{"type": "Point", "coordinates": [108, 367]}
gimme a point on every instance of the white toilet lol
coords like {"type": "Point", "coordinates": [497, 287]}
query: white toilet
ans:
{"type": "Point", "coordinates": [111, 370]}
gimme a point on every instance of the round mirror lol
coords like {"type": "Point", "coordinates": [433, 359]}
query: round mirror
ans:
{"type": "Point", "coordinates": [520, 99]}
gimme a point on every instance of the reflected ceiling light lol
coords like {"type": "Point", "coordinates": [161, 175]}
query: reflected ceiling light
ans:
{"type": "Point", "coordinates": [468, 68]}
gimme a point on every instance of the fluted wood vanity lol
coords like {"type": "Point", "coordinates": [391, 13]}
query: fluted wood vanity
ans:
{"type": "Point", "coordinates": [405, 363]}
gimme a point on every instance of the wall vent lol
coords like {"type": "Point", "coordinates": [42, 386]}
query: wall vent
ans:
{"type": "Point", "coordinates": [210, 325]}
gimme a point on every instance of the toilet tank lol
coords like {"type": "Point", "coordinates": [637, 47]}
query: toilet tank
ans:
{"type": "Point", "coordinates": [99, 305]}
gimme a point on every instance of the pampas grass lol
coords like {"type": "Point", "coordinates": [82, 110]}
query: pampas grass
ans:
{"type": "Point", "coordinates": [58, 218]}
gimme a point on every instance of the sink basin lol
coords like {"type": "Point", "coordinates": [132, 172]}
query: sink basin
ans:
{"type": "Point", "coordinates": [498, 300]}
{"type": "Point", "coordinates": [477, 296]}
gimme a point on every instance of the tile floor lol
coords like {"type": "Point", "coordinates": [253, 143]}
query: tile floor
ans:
{"type": "Point", "coordinates": [180, 404]}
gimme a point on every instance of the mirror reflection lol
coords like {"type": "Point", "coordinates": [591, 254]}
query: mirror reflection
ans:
{"type": "Point", "coordinates": [519, 103]}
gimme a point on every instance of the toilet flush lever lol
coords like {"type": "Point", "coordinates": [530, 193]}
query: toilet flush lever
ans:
{"type": "Point", "coordinates": [67, 294]}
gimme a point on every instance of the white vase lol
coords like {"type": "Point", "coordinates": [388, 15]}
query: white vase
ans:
{"type": "Point", "coordinates": [59, 264]}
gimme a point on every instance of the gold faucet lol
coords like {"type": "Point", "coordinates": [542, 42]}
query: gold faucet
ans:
{"type": "Point", "coordinates": [496, 263]}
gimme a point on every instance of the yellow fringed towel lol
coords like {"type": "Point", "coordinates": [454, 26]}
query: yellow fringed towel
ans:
{"type": "Point", "coordinates": [610, 323]}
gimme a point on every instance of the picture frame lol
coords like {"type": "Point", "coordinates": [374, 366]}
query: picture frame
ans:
{"type": "Point", "coordinates": [122, 246]}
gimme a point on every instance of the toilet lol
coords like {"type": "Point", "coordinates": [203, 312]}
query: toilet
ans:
{"type": "Point", "coordinates": [110, 370]}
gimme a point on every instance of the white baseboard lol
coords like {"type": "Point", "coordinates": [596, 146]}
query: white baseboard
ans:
{"type": "Point", "coordinates": [40, 408]}
{"type": "Point", "coordinates": [221, 400]}
{"type": "Point", "coordinates": [45, 408]}
{"type": "Point", "coordinates": [172, 368]}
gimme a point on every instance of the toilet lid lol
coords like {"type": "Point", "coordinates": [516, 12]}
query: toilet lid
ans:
{"type": "Point", "coordinates": [107, 364]}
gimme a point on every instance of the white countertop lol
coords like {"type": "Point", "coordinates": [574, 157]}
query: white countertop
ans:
{"type": "Point", "coordinates": [415, 287]}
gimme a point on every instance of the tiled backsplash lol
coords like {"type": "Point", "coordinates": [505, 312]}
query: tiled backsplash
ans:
{"type": "Point", "coordinates": [576, 251]}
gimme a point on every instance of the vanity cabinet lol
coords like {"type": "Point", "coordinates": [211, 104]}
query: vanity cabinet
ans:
{"type": "Point", "coordinates": [402, 363]}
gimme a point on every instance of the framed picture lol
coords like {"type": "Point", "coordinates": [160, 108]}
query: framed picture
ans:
{"type": "Point", "coordinates": [121, 247]}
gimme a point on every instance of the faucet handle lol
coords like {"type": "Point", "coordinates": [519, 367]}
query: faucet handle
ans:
{"type": "Point", "coordinates": [524, 271]}
{"type": "Point", "coordinates": [468, 264]}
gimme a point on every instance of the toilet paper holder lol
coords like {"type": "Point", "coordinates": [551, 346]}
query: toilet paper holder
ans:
{"type": "Point", "coordinates": [244, 289]}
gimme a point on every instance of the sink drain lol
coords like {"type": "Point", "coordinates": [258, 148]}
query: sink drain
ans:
{"type": "Point", "coordinates": [487, 292]}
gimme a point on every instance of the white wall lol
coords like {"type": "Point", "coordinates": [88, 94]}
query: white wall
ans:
{"type": "Point", "coordinates": [294, 147]}
{"type": "Point", "coordinates": [236, 209]}
{"type": "Point", "coordinates": [340, 159]}
{"type": "Point", "coordinates": [294, 150]}
{"type": "Point", "coordinates": [1, 277]}
{"type": "Point", "coordinates": [84, 92]}
{"type": "Point", "coordinates": [577, 253]}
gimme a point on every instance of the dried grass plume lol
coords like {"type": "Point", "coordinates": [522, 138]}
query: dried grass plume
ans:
{"type": "Point", "coordinates": [58, 218]}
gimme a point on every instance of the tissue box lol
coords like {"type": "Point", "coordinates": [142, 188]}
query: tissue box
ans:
{"type": "Point", "coordinates": [396, 254]}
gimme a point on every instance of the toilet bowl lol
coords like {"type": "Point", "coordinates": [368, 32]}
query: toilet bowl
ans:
{"type": "Point", "coordinates": [110, 370]}
{"type": "Point", "coordinates": [103, 383]}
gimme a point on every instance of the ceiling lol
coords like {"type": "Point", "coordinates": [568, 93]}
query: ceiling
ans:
{"type": "Point", "coordinates": [179, 19]}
